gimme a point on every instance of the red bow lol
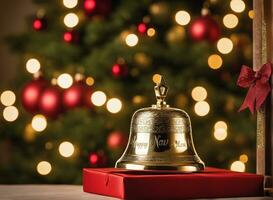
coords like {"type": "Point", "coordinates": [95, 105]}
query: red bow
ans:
{"type": "Point", "coordinates": [258, 84]}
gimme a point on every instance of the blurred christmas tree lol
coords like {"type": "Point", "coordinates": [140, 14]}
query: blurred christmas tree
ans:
{"type": "Point", "coordinates": [87, 65]}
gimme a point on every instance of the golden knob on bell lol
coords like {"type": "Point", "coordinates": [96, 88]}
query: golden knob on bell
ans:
{"type": "Point", "coordinates": [160, 138]}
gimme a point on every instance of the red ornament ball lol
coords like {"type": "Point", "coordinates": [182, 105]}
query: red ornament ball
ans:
{"type": "Point", "coordinates": [116, 140]}
{"type": "Point", "coordinates": [142, 28]}
{"type": "Point", "coordinates": [204, 28]}
{"type": "Point", "coordinates": [39, 24]}
{"type": "Point", "coordinates": [79, 94]}
{"type": "Point", "coordinates": [97, 7]}
{"type": "Point", "coordinates": [31, 94]}
{"type": "Point", "coordinates": [119, 70]}
{"type": "Point", "coordinates": [97, 159]}
{"type": "Point", "coordinates": [51, 101]}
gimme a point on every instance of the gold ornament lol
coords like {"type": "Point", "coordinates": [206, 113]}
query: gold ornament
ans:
{"type": "Point", "coordinates": [160, 138]}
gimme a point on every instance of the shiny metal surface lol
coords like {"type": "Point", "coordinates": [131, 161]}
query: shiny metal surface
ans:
{"type": "Point", "coordinates": [160, 138]}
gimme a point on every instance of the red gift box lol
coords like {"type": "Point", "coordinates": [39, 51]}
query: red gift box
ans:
{"type": "Point", "coordinates": [210, 183]}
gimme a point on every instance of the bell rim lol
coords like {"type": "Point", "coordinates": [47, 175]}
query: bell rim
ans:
{"type": "Point", "coordinates": [183, 168]}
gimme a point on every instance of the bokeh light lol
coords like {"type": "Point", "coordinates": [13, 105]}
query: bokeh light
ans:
{"type": "Point", "coordinates": [66, 149]}
{"type": "Point", "coordinates": [224, 45]}
{"type": "Point", "coordinates": [90, 81]}
{"type": "Point", "coordinates": [243, 158]}
{"type": "Point", "coordinates": [199, 93]}
{"type": "Point", "coordinates": [70, 3]}
{"type": "Point", "coordinates": [65, 80]}
{"type": "Point", "coordinates": [10, 113]}
{"type": "Point", "coordinates": [98, 98]}
{"type": "Point", "coordinates": [142, 28]}
{"type": "Point", "coordinates": [71, 20]}
{"type": "Point", "coordinates": [151, 32]}
{"type": "Point", "coordinates": [131, 40]}
{"type": "Point", "coordinates": [237, 166]}
{"type": "Point", "coordinates": [201, 108]}
{"type": "Point", "coordinates": [33, 65]}
{"type": "Point", "coordinates": [237, 5]}
{"type": "Point", "coordinates": [138, 99]}
{"type": "Point", "coordinates": [114, 105]}
{"type": "Point", "coordinates": [39, 123]}
{"type": "Point", "coordinates": [29, 133]}
{"type": "Point", "coordinates": [182, 17]}
{"type": "Point", "coordinates": [7, 98]}
{"type": "Point", "coordinates": [251, 14]}
{"type": "Point", "coordinates": [230, 20]}
{"type": "Point", "coordinates": [44, 168]}
{"type": "Point", "coordinates": [215, 61]}
{"type": "Point", "coordinates": [156, 78]}
{"type": "Point", "coordinates": [220, 124]}
{"type": "Point", "coordinates": [220, 134]}
{"type": "Point", "coordinates": [93, 158]}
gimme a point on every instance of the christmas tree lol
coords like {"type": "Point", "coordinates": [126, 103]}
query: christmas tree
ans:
{"type": "Point", "coordinates": [87, 65]}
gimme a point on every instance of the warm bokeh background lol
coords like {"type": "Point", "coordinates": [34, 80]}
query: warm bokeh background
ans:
{"type": "Point", "coordinates": [79, 69]}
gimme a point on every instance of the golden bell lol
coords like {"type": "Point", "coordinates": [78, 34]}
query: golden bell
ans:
{"type": "Point", "coordinates": [160, 139]}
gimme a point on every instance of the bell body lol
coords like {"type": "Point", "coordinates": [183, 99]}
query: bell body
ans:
{"type": "Point", "coordinates": [160, 139]}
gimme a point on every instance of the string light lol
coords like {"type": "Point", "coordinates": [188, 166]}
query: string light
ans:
{"type": "Point", "coordinates": [39, 123]}
{"type": "Point", "coordinates": [243, 158]}
{"type": "Point", "coordinates": [220, 134]}
{"type": "Point", "coordinates": [230, 21]}
{"type": "Point", "coordinates": [131, 40]}
{"type": "Point", "coordinates": [33, 65]}
{"type": "Point", "coordinates": [237, 5]}
{"type": "Point", "coordinates": [70, 3]}
{"type": "Point", "coordinates": [114, 105]}
{"type": "Point", "coordinates": [201, 108]}
{"type": "Point", "coordinates": [44, 168]}
{"type": "Point", "coordinates": [224, 45]}
{"type": "Point", "coordinates": [98, 98]}
{"type": "Point", "coordinates": [151, 32]}
{"type": "Point", "coordinates": [156, 78]}
{"type": "Point", "coordinates": [215, 61]}
{"type": "Point", "coordinates": [220, 130]}
{"type": "Point", "coordinates": [199, 93]}
{"type": "Point", "coordinates": [90, 81]}
{"type": "Point", "coordinates": [10, 113]}
{"type": "Point", "coordinates": [66, 149]}
{"type": "Point", "coordinates": [65, 80]}
{"type": "Point", "coordinates": [237, 166]}
{"type": "Point", "coordinates": [71, 20]}
{"type": "Point", "coordinates": [7, 98]}
{"type": "Point", "coordinates": [182, 17]}
{"type": "Point", "coordinates": [251, 14]}
{"type": "Point", "coordinates": [220, 124]}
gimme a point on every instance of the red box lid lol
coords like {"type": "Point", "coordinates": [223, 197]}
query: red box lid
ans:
{"type": "Point", "coordinates": [210, 183]}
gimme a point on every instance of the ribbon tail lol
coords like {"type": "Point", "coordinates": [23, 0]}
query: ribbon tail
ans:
{"type": "Point", "coordinates": [262, 91]}
{"type": "Point", "coordinates": [249, 101]}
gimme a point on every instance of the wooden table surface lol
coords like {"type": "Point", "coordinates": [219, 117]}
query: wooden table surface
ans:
{"type": "Point", "coordinates": [63, 192]}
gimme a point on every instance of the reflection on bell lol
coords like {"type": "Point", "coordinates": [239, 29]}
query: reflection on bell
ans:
{"type": "Point", "coordinates": [160, 139]}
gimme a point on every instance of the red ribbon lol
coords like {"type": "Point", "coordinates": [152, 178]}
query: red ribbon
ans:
{"type": "Point", "coordinates": [258, 84]}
